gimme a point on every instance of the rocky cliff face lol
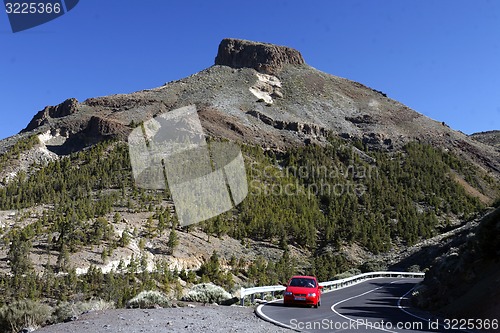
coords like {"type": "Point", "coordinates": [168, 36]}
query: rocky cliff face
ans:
{"type": "Point", "coordinates": [263, 57]}
{"type": "Point", "coordinates": [66, 108]}
{"type": "Point", "coordinates": [98, 126]}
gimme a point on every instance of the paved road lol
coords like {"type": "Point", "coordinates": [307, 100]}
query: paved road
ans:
{"type": "Point", "coordinates": [378, 305]}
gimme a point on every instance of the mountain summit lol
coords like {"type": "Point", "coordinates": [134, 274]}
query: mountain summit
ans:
{"type": "Point", "coordinates": [262, 94]}
{"type": "Point", "coordinates": [263, 57]}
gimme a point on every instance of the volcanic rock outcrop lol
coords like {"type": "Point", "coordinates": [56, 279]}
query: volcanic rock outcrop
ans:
{"type": "Point", "coordinates": [263, 57]}
{"type": "Point", "coordinates": [66, 108]}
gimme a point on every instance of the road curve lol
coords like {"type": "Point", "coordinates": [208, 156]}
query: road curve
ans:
{"type": "Point", "coordinates": [376, 305]}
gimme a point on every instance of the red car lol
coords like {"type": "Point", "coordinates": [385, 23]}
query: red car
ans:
{"type": "Point", "coordinates": [302, 290]}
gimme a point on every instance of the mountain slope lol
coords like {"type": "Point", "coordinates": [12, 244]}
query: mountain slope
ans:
{"type": "Point", "coordinates": [491, 138]}
{"type": "Point", "coordinates": [285, 103]}
{"type": "Point", "coordinates": [332, 166]}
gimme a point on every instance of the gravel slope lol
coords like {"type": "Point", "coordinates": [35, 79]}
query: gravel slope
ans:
{"type": "Point", "coordinates": [198, 319]}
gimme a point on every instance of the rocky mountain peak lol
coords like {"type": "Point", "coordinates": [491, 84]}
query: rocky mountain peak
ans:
{"type": "Point", "coordinates": [283, 104]}
{"type": "Point", "coordinates": [263, 57]}
{"type": "Point", "coordinates": [66, 108]}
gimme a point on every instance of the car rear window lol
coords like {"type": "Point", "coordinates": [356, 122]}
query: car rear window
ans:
{"type": "Point", "coordinates": [303, 282]}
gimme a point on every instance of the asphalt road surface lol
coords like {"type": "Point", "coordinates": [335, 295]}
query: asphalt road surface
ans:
{"type": "Point", "coordinates": [377, 305]}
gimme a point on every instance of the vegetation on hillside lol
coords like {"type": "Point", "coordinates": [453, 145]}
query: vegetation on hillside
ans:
{"type": "Point", "coordinates": [15, 151]}
{"type": "Point", "coordinates": [314, 198]}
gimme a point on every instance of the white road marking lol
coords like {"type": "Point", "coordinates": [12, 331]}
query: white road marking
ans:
{"type": "Point", "coordinates": [356, 296]}
{"type": "Point", "coordinates": [276, 322]}
{"type": "Point", "coordinates": [408, 312]}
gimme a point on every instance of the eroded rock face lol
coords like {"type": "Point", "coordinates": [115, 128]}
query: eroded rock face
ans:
{"type": "Point", "coordinates": [263, 57]}
{"type": "Point", "coordinates": [66, 108]}
{"type": "Point", "coordinates": [304, 128]}
{"type": "Point", "coordinates": [98, 126]}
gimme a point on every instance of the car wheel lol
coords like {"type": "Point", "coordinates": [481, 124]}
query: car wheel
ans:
{"type": "Point", "coordinates": [319, 302]}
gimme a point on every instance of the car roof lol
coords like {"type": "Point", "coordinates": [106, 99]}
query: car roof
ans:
{"type": "Point", "coordinates": [303, 277]}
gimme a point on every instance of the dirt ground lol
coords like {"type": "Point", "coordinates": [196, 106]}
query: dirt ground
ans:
{"type": "Point", "coordinates": [182, 320]}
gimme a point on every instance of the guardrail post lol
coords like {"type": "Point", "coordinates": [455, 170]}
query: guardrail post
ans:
{"type": "Point", "coordinates": [252, 299]}
{"type": "Point", "coordinates": [242, 295]}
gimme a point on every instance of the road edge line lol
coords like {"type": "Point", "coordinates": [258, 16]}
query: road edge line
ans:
{"type": "Point", "coordinates": [356, 296]}
{"type": "Point", "coordinates": [261, 315]}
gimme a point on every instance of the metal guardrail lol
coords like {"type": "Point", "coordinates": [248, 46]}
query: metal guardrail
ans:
{"type": "Point", "coordinates": [328, 285]}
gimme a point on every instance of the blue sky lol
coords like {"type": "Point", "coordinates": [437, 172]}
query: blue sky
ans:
{"type": "Point", "coordinates": [440, 58]}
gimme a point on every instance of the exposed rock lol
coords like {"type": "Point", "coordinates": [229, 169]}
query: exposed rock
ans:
{"type": "Point", "coordinates": [303, 128]}
{"type": "Point", "coordinates": [98, 126]}
{"type": "Point", "coordinates": [364, 119]}
{"type": "Point", "coordinates": [267, 87]}
{"type": "Point", "coordinates": [118, 102]}
{"type": "Point", "coordinates": [39, 154]}
{"type": "Point", "coordinates": [491, 138]}
{"type": "Point", "coordinates": [66, 108]}
{"type": "Point", "coordinates": [377, 140]}
{"type": "Point", "coordinates": [263, 57]}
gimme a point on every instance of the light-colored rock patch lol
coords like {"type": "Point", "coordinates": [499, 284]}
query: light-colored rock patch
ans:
{"type": "Point", "coordinates": [266, 87]}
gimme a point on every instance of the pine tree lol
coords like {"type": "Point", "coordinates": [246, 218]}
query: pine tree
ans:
{"type": "Point", "coordinates": [173, 241]}
{"type": "Point", "coordinates": [162, 225]}
{"type": "Point", "coordinates": [150, 228]}
{"type": "Point", "coordinates": [18, 255]}
{"type": "Point", "coordinates": [63, 259]}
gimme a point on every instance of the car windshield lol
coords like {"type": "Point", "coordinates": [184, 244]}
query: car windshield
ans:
{"type": "Point", "coordinates": [303, 282]}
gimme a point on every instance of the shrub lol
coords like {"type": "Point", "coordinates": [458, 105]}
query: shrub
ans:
{"type": "Point", "coordinates": [149, 299]}
{"type": "Point", "coordinates": [414, 269]}
{"type": "Point", "coordinates": [207, 293]}
{"type": "Point", "coordinates": [348, 274]}
{"type": "Point", "coordinates": [23, 313]}
{"type": "Point", "coordinates": [373, 266]}
{"type": "Point", "coordinates": [67, 310]}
